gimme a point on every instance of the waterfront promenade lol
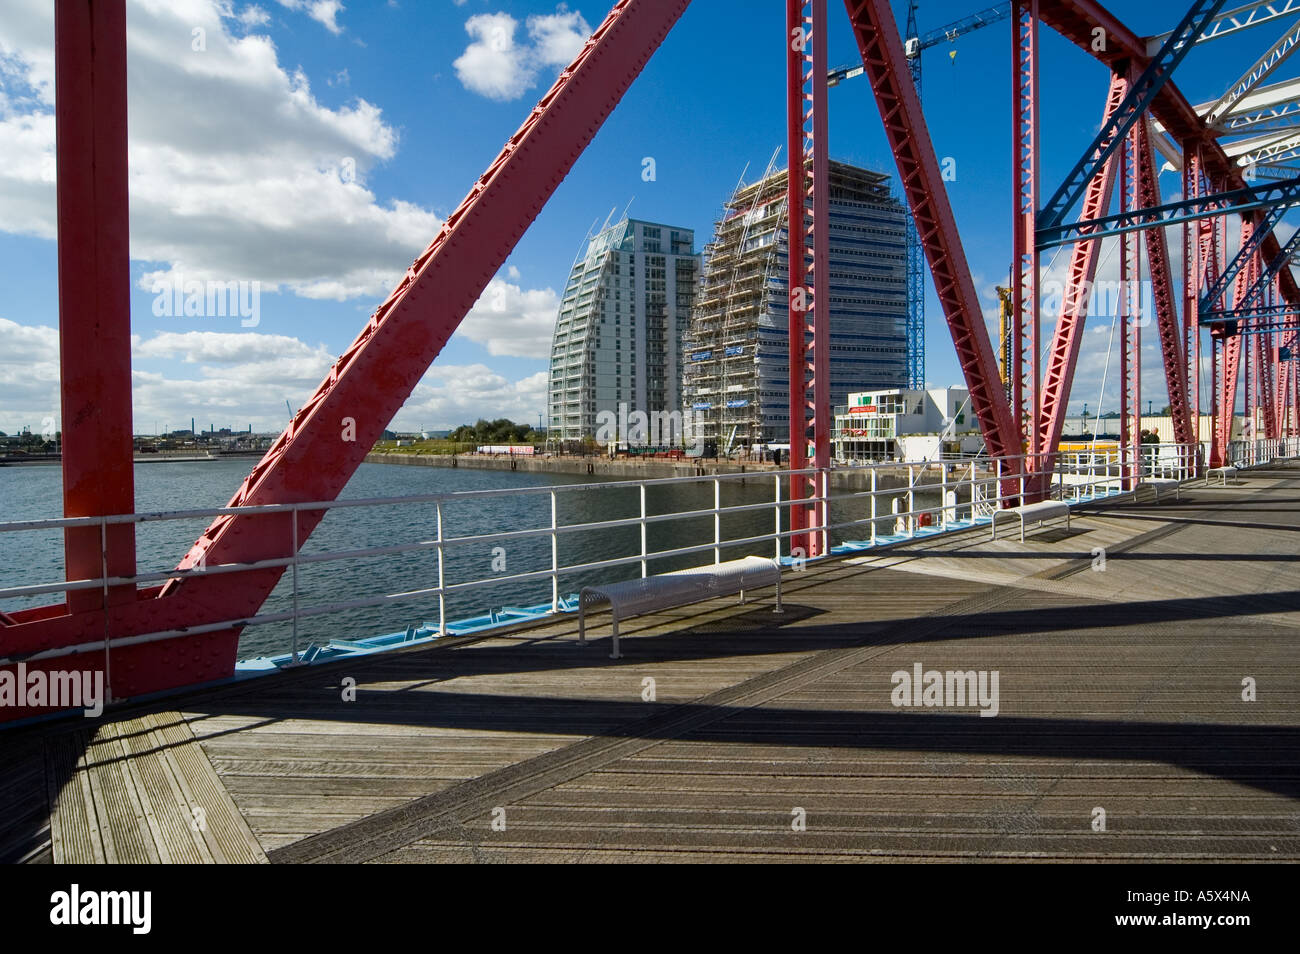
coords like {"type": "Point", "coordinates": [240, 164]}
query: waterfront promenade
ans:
{"type": "Point", "coordinates": [1148, 709]}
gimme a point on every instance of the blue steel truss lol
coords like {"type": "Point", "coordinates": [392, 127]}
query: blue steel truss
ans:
{"type": "Point", "coordinates": [1213, 296]}
{"type": "Point", "coordinates": [1243, 308]}
{"type": "Point", "coordinates": [1135, 104]}
{"type": "Point", "coordinates": [1283, 195]}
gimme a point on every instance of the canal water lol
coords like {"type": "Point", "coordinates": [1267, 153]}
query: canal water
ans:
{"type": "Point", "coordinates": [35, 492]}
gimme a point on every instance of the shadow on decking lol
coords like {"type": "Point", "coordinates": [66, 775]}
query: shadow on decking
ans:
{"type": "Point", "coordinates": [1261, 756]}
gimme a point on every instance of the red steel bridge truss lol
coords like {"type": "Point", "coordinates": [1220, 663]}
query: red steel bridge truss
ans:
{"type": "Point", "coordinates": [1232, 155]}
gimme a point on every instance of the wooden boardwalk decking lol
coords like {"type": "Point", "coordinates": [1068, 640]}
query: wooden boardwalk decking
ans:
{"type": "Point", "coordinates": [1121, 690]}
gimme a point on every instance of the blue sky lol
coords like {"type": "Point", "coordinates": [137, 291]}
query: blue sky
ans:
{"type": "Point", "coordinates": [314, 147]}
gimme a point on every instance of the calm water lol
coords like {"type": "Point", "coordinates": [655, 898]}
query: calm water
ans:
{"type": "Point", "coordinates": [34, 492]}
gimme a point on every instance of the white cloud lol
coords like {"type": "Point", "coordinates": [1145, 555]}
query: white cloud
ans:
{"type": "Point", "coordinates": [461, 394]}
{"type": "Point", "coordinates": [495, 65]}
{"type": "Point", "coordinates": [558, 37]}
{"type": "Point", "coordinates": [238, 379]}
{"type": "Point", "coordinates": [510, 321]}
{"type": "Point", "coordinates": [29, 375]}
{"type": "Point", "coordinates": [253, 16]}
{"type": "Point", "coordinates": [324, 12]}
{"type": "Point", "coordinates": [260, 183]}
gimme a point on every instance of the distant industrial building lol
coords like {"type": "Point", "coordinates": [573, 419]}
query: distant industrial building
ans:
{"type": "Point", "coordinates": [898, 424]}
{"type": "Point", "coordinates": [737, 367]}
{"type": "Point", "coordinates": [618, 335]}
{"type": "Point", "coordinates": [1161, 425]}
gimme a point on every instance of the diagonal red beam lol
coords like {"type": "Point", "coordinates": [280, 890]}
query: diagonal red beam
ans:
{"type": "Point", "coordinates": [1228, 369]}
{"type": "Point", "coordinates": [885, 67]}
{"type": "Point", "coordinates": [1068, 336]}
{"type": "Point", "coordinates": [330, 436]}
{"type": "Point", "coordinates": [1162, 284]}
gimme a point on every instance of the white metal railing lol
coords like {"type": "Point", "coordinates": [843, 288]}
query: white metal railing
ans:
{"type": "Point", "coordinates": [1255, 453]}
{"type": "Point", "coordinates": [936, 496]}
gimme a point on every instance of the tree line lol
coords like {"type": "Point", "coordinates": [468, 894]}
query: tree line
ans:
{"type": "Point", "coordinates": [501, 431]}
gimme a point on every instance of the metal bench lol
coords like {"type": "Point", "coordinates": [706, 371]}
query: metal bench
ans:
{"type": "Point", "coordinates": [1164, 484]}
{"type": "Point", "coordinates": [678, 588]}
{"type": "Point", "coordinates": [1223, 473]}
{"type": "Point", "coordinates": [1043, 510]}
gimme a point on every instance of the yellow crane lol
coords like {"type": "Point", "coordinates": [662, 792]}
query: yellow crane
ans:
{"type": "Point", "coordinates": [1005, 338]}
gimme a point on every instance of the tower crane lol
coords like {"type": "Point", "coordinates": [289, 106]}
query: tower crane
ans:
{"type": "Point", "coordinates": [1005, 339]}
{"type": "Point", "coordinates": [913, 45]}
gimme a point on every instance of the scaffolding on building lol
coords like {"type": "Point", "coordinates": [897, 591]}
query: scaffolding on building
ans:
{"type": "Point", "coordinates": [736, 380]}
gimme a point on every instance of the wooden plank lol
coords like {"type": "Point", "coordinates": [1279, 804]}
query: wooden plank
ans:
{"type": "Point", "coordinates": [124, 827]}
{"type": "Point", "coordinates": [74, 823]}
{"type": "Point", "coordinates": [225, 832]}
{"type": "Point", "coordinates": [162, 798]}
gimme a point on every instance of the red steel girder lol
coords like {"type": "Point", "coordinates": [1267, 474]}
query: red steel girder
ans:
{"type": "Point", "coordinates": [1282, 398]}
{"type": "Point", "coordinates": [374, 376]}
{"type": "Point", "coordinates": [809, 254]}
{"type": "Point", "coordinates": [331, 434]}
{"type": "Point", "coordinates": [918, 170]}
{"type": "Point", "coordinates": [1249, 430]}
{"type": "Point", "coordinates": [94, 293]}
{"type": "Point", "coordinates": [1026, 311]}
{"type": "Point", "coordinates": [94, 332]}
{"type": "Point", "coordinates": [1118, 46]}
{"type": "Point", "coordinates": [1227, 365]}
{"type": "Point", "coordinates": [1098, 32]}
{"type": "Point", "coordinates": [1281, 384]}
{"type": "Point", "coordinates": [1068, 336]}
{"type": "Point", "coordinates": [1162, 285]}
{"type": "Point", "coordinates": [1130, 266]}
{"type": "Point", "coordinates": [1192, 187]}
{"type": "Point", "coordinates": [1266, 356]}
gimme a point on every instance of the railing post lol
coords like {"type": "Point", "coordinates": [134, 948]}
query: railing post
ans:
{"type": "Point", "coordinates": [873, 506]}
{"type": "Point", "coordinates": [103, 575]}
{"type": "Point", "coordinates": [911, 502]}
{"type": "Point", "coordinates": [643, 534]}
{"type": "Point", "coordinates": [776, 507]}
{"type": "Point", "coordinates": [442, 596]}
{"type": "Point", "coordinates": [717, 520]}
{"type": "Point", "coordinates": [826, 511]}
{"type": "Point", "coordinates": [972, 493]}
{"type": "Point", "coordinates": [293, 538]}
{"type": "Point", "coordinates": [997, 487]}
{"type": "Point", "coordinates": [555, 554]}
{"type": "Point", "coordinates": [943, 496]}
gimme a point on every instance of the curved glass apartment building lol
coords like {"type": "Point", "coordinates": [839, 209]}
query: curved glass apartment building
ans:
{"type": "Point", "coordinates": [618, 335]}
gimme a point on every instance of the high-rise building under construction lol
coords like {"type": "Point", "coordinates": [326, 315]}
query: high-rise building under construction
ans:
{"type": "Point", "coordinates": [737, 349]}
